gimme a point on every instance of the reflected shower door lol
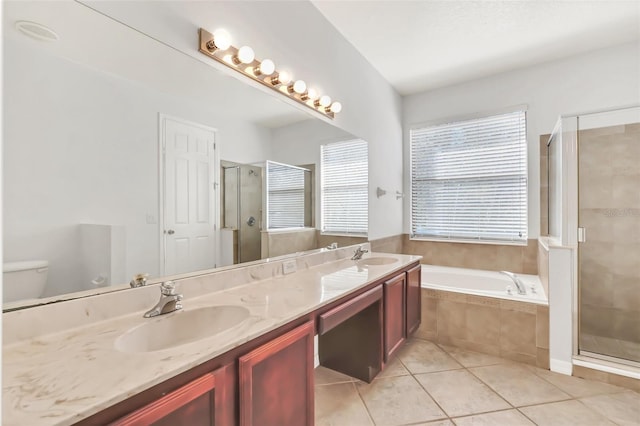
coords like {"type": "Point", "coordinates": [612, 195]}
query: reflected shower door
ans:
{"type": "Point", "coordinates": [609, 256]}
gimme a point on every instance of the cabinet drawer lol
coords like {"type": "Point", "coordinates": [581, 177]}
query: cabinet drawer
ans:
{"type": "Point", "coordinates": [339, 314]}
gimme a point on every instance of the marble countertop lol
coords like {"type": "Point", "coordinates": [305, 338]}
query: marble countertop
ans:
{"type": "Point", "coordinates": [63, 377]}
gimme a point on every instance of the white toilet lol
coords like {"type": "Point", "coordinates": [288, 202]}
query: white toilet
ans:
{"type": "Point", "coordinates": [24, 280]}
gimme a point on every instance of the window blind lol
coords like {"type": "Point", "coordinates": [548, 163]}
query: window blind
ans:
{"type": "Point", "coordinates": [469, 179]}
{"type": "Point", "coordinates": [344, 187]}
{"type": "Point", "coordinates": [285, 196]}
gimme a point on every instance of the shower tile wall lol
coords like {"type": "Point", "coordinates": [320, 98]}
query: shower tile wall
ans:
{"type": "Point", "coordinates": [609, 260]}
{"type": "Point", "coordinates": [544, 186]}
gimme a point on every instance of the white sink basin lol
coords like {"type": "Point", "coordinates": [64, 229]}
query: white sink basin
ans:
{"type": "Point", "coordinates": [181, 327]}
{"type": "Point", "coordinates": [376, 261]}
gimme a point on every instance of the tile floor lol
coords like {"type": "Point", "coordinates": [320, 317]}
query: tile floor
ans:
{"type": "Point", "coordinates": [429, 384]}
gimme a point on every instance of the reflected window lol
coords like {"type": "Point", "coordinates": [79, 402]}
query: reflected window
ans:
{"type": "Point", "coordinates": [344, 188]}
{"type": "Point", "coordinates": [286, 195]}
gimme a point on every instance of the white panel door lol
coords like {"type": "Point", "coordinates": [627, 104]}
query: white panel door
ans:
{"type": "Point", "coordinates": [189, 200]}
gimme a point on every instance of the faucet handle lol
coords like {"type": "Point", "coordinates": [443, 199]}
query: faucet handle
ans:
{"type": "Point", "coordinates": [168, 288]}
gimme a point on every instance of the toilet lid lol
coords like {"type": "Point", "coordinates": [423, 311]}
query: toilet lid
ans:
{"type": "Point", "coordinates": [24, 266]}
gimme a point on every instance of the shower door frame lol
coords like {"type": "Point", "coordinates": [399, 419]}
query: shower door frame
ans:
{"type": "Point", "coordinates": [571, 183]}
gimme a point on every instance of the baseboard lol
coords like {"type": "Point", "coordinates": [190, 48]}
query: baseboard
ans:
{"type": "Point", "coordinates": [562, 367]}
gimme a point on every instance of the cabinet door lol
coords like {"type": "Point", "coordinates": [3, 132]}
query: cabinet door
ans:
{"type": "Point", "coordinates": [394, 315]}
{"type": "Point", "coordinates": [207, 401]}
{"type": "Point", "coordinates": [414, 299]}
{"type": "Point", "coordinates": [276, 381]}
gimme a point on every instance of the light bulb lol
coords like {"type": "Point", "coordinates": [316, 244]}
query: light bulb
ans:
{"type": "Point", "coordinates": [324, 101]}
{"type": "Point", "coordinates": [245, 55]}
{"type": "Point", "coordinates": [282, 77]}
{"type": "Point", "coordinates": [266, 67]}
{"type": "Point", "coordinates": [299, 86]}
{"type": "Point", "coordinates": [336, 107]}
{"type": "Point", "coordinates": [312, 93]}
{"type": "Point", "coordinates": [221, 40]}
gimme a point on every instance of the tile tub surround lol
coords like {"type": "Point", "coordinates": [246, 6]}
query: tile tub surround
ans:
{"type": "Point", "coordinates": [466, 388]}
{"type": "Point", "coordinates": [513, 330]}
{"type": "Point", "coordinates": [72, 370]}
{"type": "Point", "coordinates": [392, 244]}
{"type": "Point", "coordinates": [493, 257]}
{"type": "Point", "coordinates": [281, 242]}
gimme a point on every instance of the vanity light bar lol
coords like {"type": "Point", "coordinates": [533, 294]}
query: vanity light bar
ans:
{"type": "Point", "coordinates": [218, 46]}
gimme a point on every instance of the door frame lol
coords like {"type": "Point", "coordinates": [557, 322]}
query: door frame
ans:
{"type": "Point", "coordinates": [215, 170]}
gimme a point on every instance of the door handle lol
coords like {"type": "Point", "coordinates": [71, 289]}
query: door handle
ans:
{"type": "Point", "coordinates": [170, 231]}
{"type": "Point", "coordinates": [251, 221]}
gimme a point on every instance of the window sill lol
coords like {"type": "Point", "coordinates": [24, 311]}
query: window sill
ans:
{"type": "Point", "coordinates": [338, 234]}
{"type": "Point", "coordinates": [462, 241]}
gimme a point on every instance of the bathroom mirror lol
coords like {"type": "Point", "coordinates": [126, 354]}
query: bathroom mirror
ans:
{"type": "Point", "coordinates": [113, 150]}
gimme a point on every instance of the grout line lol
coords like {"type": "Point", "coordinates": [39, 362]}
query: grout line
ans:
{"type": "Point", "coordinates": [364, 403]}
{"type": "Point", "coordinates": [526, 417]}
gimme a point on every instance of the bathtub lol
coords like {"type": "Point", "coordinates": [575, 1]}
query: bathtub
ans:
{"type": "Point", "coordinates": [482, 283]}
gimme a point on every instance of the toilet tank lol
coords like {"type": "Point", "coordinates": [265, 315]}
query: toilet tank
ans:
{"type": "Point", "coordinates": [24, 280]}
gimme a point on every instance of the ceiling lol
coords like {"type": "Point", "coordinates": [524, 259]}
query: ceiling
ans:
{"type": "Point", "coordinates": [422, 45]}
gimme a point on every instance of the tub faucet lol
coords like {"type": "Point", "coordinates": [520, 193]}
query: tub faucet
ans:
{"type": "Point", "coordinates": [332, 246]}
{"type": "Point", "coordinates": [516, 281]}
{"type": "Point", "coordinates": [169, 300]}
{"type": "Point", "coordinates": [357, 255]}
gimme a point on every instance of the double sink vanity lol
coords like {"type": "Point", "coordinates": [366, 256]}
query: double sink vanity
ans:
{"type": "Point", "coordinates": [240, 351]}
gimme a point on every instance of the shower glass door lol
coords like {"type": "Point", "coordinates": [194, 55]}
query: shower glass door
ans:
{"type": "Point", "coordinates": [609, 255]}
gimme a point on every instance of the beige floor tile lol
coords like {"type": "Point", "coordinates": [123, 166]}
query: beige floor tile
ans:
{"type": "Point", "coordinates": [519, 385]}
{"type": "Point", "coordinates": [436, 423]}
{"type": "Point", "coordinates": [471, 358]}
{"type": "Point", "coordinates": [326, 376]}
{"type": "Point", "coordinates": [565, 413]}
{"type": "Point", "coordinates": [621, 408]}
{"type": "Point", "coordinates": [498, 418]}
{"type": "Point", "coordinates": [394, 368]}
{"type": "Point", "coordinates": [420, 356]}
{"type": "Point", "coordinates": [398, 401]}
{"type": "Point", "coordinates": [460, 393]}
{"type": "Point", "coordinates": [576, 386]}
{"type": "Point", "coordinates": [340, 405]}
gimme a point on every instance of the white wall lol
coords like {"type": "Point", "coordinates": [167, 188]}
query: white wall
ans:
{"type": "Point", "coordinates": [599, 80]}
{"type": "Point", "coordinates": [81, 146]}
{"type": "Point", "coordinates": [297, 37]}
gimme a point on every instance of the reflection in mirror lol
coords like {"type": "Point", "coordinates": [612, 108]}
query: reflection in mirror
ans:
{"type": "Point", "coordinates": [112, 157]}
{"type": "Point", "coordinates": [288, 196]}
{"type": "Point", "coordinates": [242, 208]}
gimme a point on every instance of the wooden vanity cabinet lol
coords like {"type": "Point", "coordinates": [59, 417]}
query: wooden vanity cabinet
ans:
{"type": "Point", "coordinates": [414, 299]}
{"type": "Point", "coordinates": [276, 381]}
{"type": "Point", "coordinates": [394, 314]}
{"type": "Point", "coordinates": [206, 401]}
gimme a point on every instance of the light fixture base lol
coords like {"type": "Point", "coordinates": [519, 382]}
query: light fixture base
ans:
{"type": "Point", "coordinates": [206, 39]}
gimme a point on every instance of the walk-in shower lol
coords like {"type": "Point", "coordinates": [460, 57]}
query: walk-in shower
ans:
{"type": "Point", "coordinates": [594, 209]}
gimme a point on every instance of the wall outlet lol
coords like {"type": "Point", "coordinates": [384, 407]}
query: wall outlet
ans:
{"type": "Point", "coordinates": [289, 267]}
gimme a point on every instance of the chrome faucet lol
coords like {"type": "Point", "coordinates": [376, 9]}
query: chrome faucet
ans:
{"type": "Point", "coordinates": [332, 246]}
{"type": "Point", "coordinates": [139, 280]}
{"type": "Point", "coordinates": [516, 281]}
{"type": "Point", "coordinates": [357, 255]}
{"type": "Point", "coordinates": [169, 300]}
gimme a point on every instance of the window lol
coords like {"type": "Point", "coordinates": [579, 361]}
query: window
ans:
{"type": "Point", "coordinates": [285, 196]}
{"type": "Point", "coordinates": [344, 187]}
{"type": "Point", "coordinates": [469, 180]}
